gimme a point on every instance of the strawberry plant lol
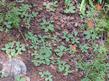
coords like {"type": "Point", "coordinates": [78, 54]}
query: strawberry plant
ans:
{"type": "Point", "coordinates": [67, 36]}
{"type": "Point", "coordinates": [60, 50]}
{"type": "Point", "coordinates": [84, 48]}
{"type": "Point", "coordinates": [69, 7]}
{"type": "Point", "coordinates": [62, 66]}
{"type": "Point", "coordinates": [25, 14]}
{"type": "Point", "coordinates": [37, 40]}
{"type": "Point", "coordinates": [47, 26]}
{"type": "Point", "coordinates": [42, 50]}
{"type": "Point", "coordinates": [91, 34]}
{"type": "Point", "coordinates": [46, 75]}
{"type": "Point", "coordinates": [70, 37]}
{"type": "Point", "coordinates": [42, 56]}
{"type": "Point", "coordinates": [14, 48]}
{"type": "Point", "coordinates": [33, 38]}
{"type": "Point", "coordinates": [51, 6]}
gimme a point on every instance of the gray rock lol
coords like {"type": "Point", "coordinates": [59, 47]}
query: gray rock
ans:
{"type": "Point", "coordinates": [14, 67]}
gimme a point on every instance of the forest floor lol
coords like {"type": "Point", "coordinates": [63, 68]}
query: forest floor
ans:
{"type": "Point", "coordinates": [68, 37]}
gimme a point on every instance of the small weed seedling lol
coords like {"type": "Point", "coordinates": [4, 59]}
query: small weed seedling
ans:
{"type": "Point", "coordinates": [37, 41]}
{"type": "Point", "coordinates": [84, 48]}
{"type": "Point", "coordinates": [33, 38]}
{"type": "Point", "coordinates": [69, 37]}
{"type": "Point", "coordinates": [42, 56]}
{"type": "Point", "coordinates": [69, 8]}
{"type": "Point", "coordinates": [46, 75]}
{"type": "Point", "coordinates": [14, 48]}
{"type": "Point", "coordinates": [100, 51]}
{"type": "Point", "coordinates": [102, 24]}
{"type": "Point", "coordinates": [60, 50]}
{"type": "Point", "coordinates": [25, 14]}
{"type": "Point", "coordinates": [47, 26]}
{"type": "Point", "coordinates": [51, 6]}
{"type": "Point", "coordinates": [63, 67]}
{"type": "Point", "coordinates": [91, 34]}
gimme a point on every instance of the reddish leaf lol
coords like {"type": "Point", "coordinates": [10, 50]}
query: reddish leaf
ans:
{"type": "Point", "coordinates": [74, 47]}
{"type": "Point", "coordinates": [90, 23]}
{"type": "Point", "coordinates": [98, 7]}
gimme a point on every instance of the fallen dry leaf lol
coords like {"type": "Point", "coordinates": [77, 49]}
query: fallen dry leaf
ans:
{"type": "Point", "coordinates": [98, 7]}
{"type": "Point", "coordinates": [90, 23]}
{"type": "Point", "coordinates": [74, 47]}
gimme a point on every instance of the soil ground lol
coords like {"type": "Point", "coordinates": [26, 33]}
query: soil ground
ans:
{"type": "Point", "coordinates": [65, 22]}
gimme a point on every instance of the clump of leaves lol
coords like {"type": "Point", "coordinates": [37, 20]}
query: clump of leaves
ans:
{"type": "Point", "coordinates": [51, 6]}
{"type": "Point", "coordinates": [63, 67]}
{"type": "Point", "coordinates": [102, 27]}
{"type": "Point", "coordinates": [101, 51]}
{"type": "Point", "coordinates": [84, 48]}
{"type": "Point", "coordinates": [91, 34]}
{"type": "Point", "coordinates": [47, 26]}
{"type": "Point", "coordinates": [43, 50]}
{"type": "Point", "coordinates": [33, 38]}
{"type": "Point", "coordinates": [42, 56]}
{"type": "Point", "coordinates": [8, 14]}
{"type": "Point", "coordinates": [94, 71]}
{"type": "Point", "coordinates": [14, 48]}
{"type": "Point", "coordinates": [46, 75]}
{"type": "Point", "coordinates": [60, 50]}
{"type": "Point", "coordinates": [25, 14]}
{"type": "Point", "coordinates": [37, 41]}
{"type": "Point", "coordinates": [90, 13]}
{"type": "Point", "coordinates": [12, 17]}
{"type": "Point", "coordinates": [69, 7]}
{"type": "Point", "coordinates": [69, 37]}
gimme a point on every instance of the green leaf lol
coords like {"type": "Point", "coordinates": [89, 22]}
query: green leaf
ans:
{"type": "Point", "coordinates": [83, 6]}
{"type": "Point", "coordinates": [14, 48]}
